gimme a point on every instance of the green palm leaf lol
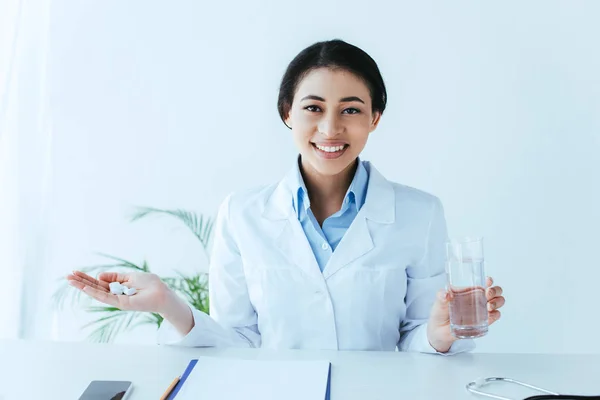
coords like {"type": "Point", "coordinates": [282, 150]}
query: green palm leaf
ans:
{"type": "Point", "coordinates": [155, 318]}
{"type": "Point", "coordinates": [201, 227]}
{"type": "Point", "coordinates": [175, 284]}
{"type": "Point", "coordinates": [195, 290]}
{"type": "Point", "coordinates": [147, 320]}
{"type": "Point", "coordinates": [114, 322]}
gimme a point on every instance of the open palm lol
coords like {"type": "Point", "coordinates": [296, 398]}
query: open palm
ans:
{"type": "Point", "coordinates": [150, 296]}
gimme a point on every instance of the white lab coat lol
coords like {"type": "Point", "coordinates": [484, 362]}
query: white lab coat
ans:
{"type": "Point", "coordinates": [375, 293]}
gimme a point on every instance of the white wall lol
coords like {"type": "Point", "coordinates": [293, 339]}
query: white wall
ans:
{"type": "Point", "coordinates": [494, 107]}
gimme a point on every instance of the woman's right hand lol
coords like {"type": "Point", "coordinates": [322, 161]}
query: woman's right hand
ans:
{"type": "Point", "coordinates": [152, 294]}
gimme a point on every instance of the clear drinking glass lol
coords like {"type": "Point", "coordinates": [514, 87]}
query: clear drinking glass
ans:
{"type": "Point", "coordinates": [466, 282]}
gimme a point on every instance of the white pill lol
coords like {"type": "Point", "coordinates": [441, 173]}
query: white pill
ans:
{"type": "Point", "coordinates": [130, 291]}
{"type": "Point", "coordinates": [116, 288]}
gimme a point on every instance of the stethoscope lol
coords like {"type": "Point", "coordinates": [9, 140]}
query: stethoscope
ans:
{"type": "Point", "coordinates": [474, 387]}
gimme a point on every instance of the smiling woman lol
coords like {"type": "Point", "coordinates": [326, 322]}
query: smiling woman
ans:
{"type": "Point", "coordinates": [332, 96]}
{"type": "Point", "coordinates": [290, 259]}
{"type": "Point", "coordinates": [330, 123]}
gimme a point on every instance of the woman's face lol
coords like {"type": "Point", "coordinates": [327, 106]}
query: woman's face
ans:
{"type": "Point", "coordinates": [331, 119]}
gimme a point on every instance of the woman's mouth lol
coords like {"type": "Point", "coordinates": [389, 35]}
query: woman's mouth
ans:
{"type": "Point", "coordinates": [330, 152]}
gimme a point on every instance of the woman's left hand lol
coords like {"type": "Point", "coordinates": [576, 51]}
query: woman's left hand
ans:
{"type": "Point", "coordinates": [438, 327]}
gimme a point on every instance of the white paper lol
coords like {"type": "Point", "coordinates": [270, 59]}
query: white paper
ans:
{"type": "Point", "coordinates": [236, 379]}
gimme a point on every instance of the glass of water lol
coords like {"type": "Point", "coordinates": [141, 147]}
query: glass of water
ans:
{"type": "Point", "coordinates": [466, 284]}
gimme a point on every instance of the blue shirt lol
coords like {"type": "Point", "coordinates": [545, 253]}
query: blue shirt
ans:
{"type": "Point", "coordinates": [323, 241]}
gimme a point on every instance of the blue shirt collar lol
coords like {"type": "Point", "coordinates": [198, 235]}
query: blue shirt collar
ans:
{"type": "Point", "coordinates": [356, 191]}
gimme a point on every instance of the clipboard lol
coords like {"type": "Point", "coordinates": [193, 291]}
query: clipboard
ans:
{"type": "Point", "coordinates": [183, 378]}
{"type": "Point", "coordinates": [193, 363]}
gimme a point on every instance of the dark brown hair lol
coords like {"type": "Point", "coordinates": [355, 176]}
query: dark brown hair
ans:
{"type": "Point", "coordinates": [331, 54]}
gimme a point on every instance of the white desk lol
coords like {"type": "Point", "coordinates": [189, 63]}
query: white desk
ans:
{"type": "Point", "coordinates": [49, 371]}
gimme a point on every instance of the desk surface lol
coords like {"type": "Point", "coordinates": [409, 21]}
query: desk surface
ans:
{"type": "Point", "coordinates": [59, 370]}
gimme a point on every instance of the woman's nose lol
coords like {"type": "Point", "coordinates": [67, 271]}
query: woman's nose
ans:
{"type": "Point", "coordinates": [330, 126]}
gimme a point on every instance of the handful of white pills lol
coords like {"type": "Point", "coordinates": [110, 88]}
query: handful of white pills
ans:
{"type": "Point", "coordinates": [117, 288]}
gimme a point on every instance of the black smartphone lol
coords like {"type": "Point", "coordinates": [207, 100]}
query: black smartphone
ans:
{"type": "Point", "coordinates": [107, 390]}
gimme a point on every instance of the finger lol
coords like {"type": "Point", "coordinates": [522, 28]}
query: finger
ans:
{"type": "Point", "coordinates": [489, 281]}
{"type": "Point", "coordinates": [440, 312]}
{"type": "Point", "coordinates": [90, 279]}
{"type": "Point", "coordinates": [84, 277]}
{"type": "Point", "coordinates": [443, 296]}
{"type": "Point", "coordinates": [87, 282]}
{"type": "Point", "coordinates": [493, 316]}
{"type": "Point", "coordinates": [495, 303]}
{"type": "Point", "coordinates": [101, 296]}
{"type": "Point", "coordinates": [108, 277]}
{"type": "Point", "coordinates": [76, 284]}
{"type": "Point", "coordinates": [495, 291]}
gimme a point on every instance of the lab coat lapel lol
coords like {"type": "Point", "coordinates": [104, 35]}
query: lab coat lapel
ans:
{"type": "Point", "coordinates": [357, 242]}
{"type": "Point", "coordinates": [294, 244]}
{"type": "Point", "coordinates": [379, 208]}
{"type": "Point", "coordinates": [287, 234]}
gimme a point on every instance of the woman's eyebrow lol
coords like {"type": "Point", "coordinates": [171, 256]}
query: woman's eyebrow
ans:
{"type": "Point", "coordinates": [342, 100]}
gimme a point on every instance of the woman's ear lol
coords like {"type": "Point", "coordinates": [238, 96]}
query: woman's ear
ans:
{"type": "Point", "coordinates": [375, 121]}
{"type": "Point", "coordinates": [288, 120]}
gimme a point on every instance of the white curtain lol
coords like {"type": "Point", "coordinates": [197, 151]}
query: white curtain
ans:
{"type": "Point", "coordinates": [25, 159]}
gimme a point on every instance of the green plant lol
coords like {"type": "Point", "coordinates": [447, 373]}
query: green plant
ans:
{"type": "Point", "coordinates": [111, 320]}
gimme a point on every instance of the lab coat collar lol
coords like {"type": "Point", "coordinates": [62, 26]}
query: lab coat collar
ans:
{"type": "Point", "coordinates": [291, 240]}
{"type": "Point", "coordinates": [354, 195]}
{"type": "Point", "coordinates": [379, 203]}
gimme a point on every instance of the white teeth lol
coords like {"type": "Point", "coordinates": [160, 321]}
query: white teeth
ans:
{"type": "Point", "coordinates": [330, 149]}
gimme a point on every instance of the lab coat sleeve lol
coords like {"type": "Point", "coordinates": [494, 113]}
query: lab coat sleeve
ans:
{"type": "Point", "coordinates": [424, 279]}
{"type": "Point", "coordinates": [232, 321]}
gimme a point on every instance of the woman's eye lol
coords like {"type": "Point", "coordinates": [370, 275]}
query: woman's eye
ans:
{"type": "Point", "coordinates": [312, 108]}
{"type": "Point", "coordinates": [346, 111]}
